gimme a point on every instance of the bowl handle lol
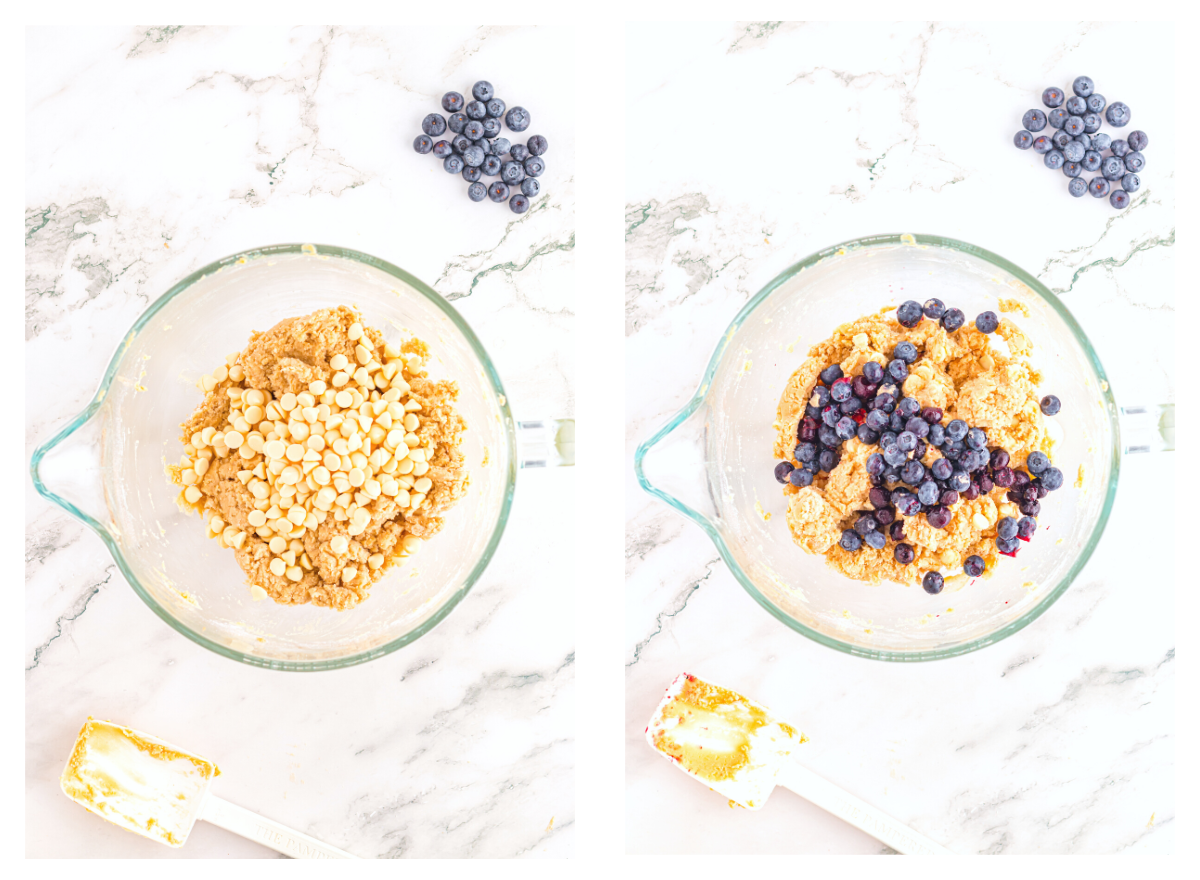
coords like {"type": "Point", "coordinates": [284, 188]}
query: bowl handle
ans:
{"type": "Point", "coordinates": [546, 443]}
{"type": "Point", "coordinates": [1148, 428]}
{"type": "Point", "coordinates": [66, 470]}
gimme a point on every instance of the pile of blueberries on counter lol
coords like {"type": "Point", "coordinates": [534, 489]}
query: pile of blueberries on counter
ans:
{"type": "Point", "coordinates": [478, 150]}
{"type": "Point", "coordinates": [1077, 145]}
{"type": "Point", "coordinates": [869, 406]}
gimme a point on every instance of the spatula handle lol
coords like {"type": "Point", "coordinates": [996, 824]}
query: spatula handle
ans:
{"type": "Point", "coordinates": [267, 832]}
{"type": "Point", "coordinates": [858, 813]}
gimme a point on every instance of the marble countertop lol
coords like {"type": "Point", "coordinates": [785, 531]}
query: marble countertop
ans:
{"type": "Point", "coordinates": [1057, 740]}
{"type": "Point", "coordinates": [152, 152]}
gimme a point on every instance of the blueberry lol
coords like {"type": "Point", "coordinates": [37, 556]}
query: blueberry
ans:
{"type": "Point", "coordinates": [1137, 140]}
{"type": "Point", "coordinates": [1073, 125]}
{"type": "Point", "coordinates": [850, 540]}
{"type": "Point", "coordinates": [999, 458]}
{"type": "Point", "coordinates": [1060, 139]}
{"type": "Point", "coordinates": [865, 525]}
{"type": "Point", "coordinates": [1034, 120]}
{"type": "Point", "coordinates": [1037, 462]}
{"type": "Point", "coordinates": [519, 204]}
{"type": "Point", "coordinates": [1030, 508]}
{"type": "Point", "coordinates": [1084, 140]}
{"type": "Point", "coordinates": [1112, 168]}
{"type": "Point", "coordinates": [1026, 526]}
{"type": "Point", "coordinates": [904, 554]}
{"type": "Point", "coordinates": [498, 191]}
{"type": "Point", "coordinates": [939, 517]}
{"type": "Point", "coordinates": [937, 435]}
{"type": "Point", "coordinates": [846, 427]}
{"type": "Point", "coordinates": [534, 166]}
{"type": "Point", "coordinates": [1091, 123]}
{"type": "Point", "coordinates": [1053, 97]}
{"type": "Point", "coordinates": [932, 415]}
{"type": "Point", "coordinates": [898, 370]}
{"type": "Point", "coordinates": [1117, 114]}
{"type": "Point", "coordinates": [519, 152]}
{"type": "Point", "coordinates": [1006, 527]}
{"type": "Point", "coordinates": [1042, 144]}
{"type": "Point", "coordinates": [1119, 147]}
{"type": "Point", "coordinates": [841, 390]}
{"type": "Point", "coordinates": [495, 108]}
{"type": "Point", "coordinates": [473, 130]}
{"type": "Point", "coordinates": [934, 308]}
{"type": "Point", "coordinates": [460, 143]}
{"type": "Point", "coordinates": [959, 481]}
{"type": "Point", "coordinates": [1055, 118]}
{"type": "Point", "coordinates": [517, 118]}
{"type": "Point", "coordinates": [928, 492]}
{"type": "Point", "coordinates": [828, 459]}
{"type": "Point", "coordinates": [1134, 161]}
{"type": "Point", "coordinates": [482, 90]}
{"type": "Point", "coordinates": [456, 122]}
{"type": "Point", "coordinates": [442, 149]}
{"type": "Point", "coordinates": [477, 192]}
{"type": "Point", "coordinates": [475, 110]}
{"type": "Point", "coordinates": [1096, 103]}
{"type": "Point", "coordinates": [1131, 183]}
{"type": "Point", "coordinates": [977, 439]}
{"type": "Point", "coordinates": [912, 473]}
{"type": "Point", "coordinates": [896, 422]}
{"type": "Point", "coordinates": [1091, 160]}
{"type": "Point", "coordinates": [974, 566]}
{"type": "Point", "coordinates": [867, 436]}
{"type": "Point", "coordinates": [1052, 479]}
{"type": "Point", "coordinates": [906, 351]}
{"type": "Point", "coordinates": [831, 374]}
{"type": "Point", "coordinates": [491, 165]}
{"type": "Point", "coordinates": [909, 314]}
{"type": "Point", "coordinates": [537, 145]}
{"type": "Point", "coordinates": [473, 156]}
{"type": "Point", "coordinates": [800, 477]}
{"type": "Point", "coordinates": [1006, 545]}
{"type": "Point", "coordinates": [850, 406]}
{"type": "Point", "coordinates": [829, 436]}
{"type": "Point", "coordinates": [872, 371]}
{"type": "Point", "coordinates": [500, 146]}
{"type": "Point", "coordinates": [894, 455]}
{"type": "Point", "coordinates": [453, 102]}
{"type": "Point", "coordinates": [875, 540]}
{"type": "Point", "coordinates": [512, 173]}
{"type": "Point", "coordinates": [906, 502]}
{"type": "Point", "coordinates": [1101, 142]}
{"type": "Point", "coordinates": [433, 124]}
{"type": "Point", "coordinates": [1054, 160]}
{"type": "Point", "coordinates": [933, 582]}
{"type": "Point", "coordinates": [875, 464]}
{"type": "Point", "coordinates": [1073, 152]}
{"type": "Point", "coordinates": [876, 420]}
{"type": "Point", "coordinates": [1072, 169]}
{"type": "Point", "coordinates": [1098, 187]}
{"type": "Point", "coordinates": [1050, 406]}
{"type": "Point", "coordinates": [953, 319]}
{"type": "Point", "coordinates": [530, 187]}
{"type": "Point", "coordinates": [957, 429]}
{"type": "Point", "coordinates": [1075, 106]}
{"type": "Point", "coordinates": [896, 530]}
{"type": "Point", "coordinates": [906, 441]}
{"type": "Point", "coordinates": [491, 127]}
{"type": "Point", "coordinates": [423, 144]}
{"type": "Point", "coordinates": [987, 322]}
{"type": "Point", "coordinates": [453, 164]}
{"type": "Point", "coordinates": [976, 460]}
{"type": "Point", "coordinates": [1083, 86]}
{"type": "Point", "coordinates": [1119, 199]}
{"type": "Point", "coordinates": [472, 174]}
{"type": "Point", "coordinates": [885, 517]}
{"type": "Point", "coordinates": [942, 469]}
{"type": "Point", "coordinates": [918, 427]}
{"type": "Point", "coordinates": [830, 416]}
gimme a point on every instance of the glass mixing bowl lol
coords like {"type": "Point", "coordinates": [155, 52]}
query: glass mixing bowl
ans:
{"type": "Point", "coordinates": [107, 467]}
{"type": "Point", "coordinates": [713, 461]}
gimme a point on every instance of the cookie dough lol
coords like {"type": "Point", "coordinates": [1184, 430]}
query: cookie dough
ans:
{"type": "Point", "coordinates": [322, 456]}
{"type": "Point", "coordinates": [959, 372]}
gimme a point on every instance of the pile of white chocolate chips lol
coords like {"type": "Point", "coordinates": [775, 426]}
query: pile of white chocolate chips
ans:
{"type": "Point", "coordinates": [330, 479]}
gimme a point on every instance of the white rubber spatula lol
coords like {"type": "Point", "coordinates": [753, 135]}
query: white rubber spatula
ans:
{"type": "Point", "coordinates": [145, 785]}
{"type": "Point", "coordinates": [740, 750]}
